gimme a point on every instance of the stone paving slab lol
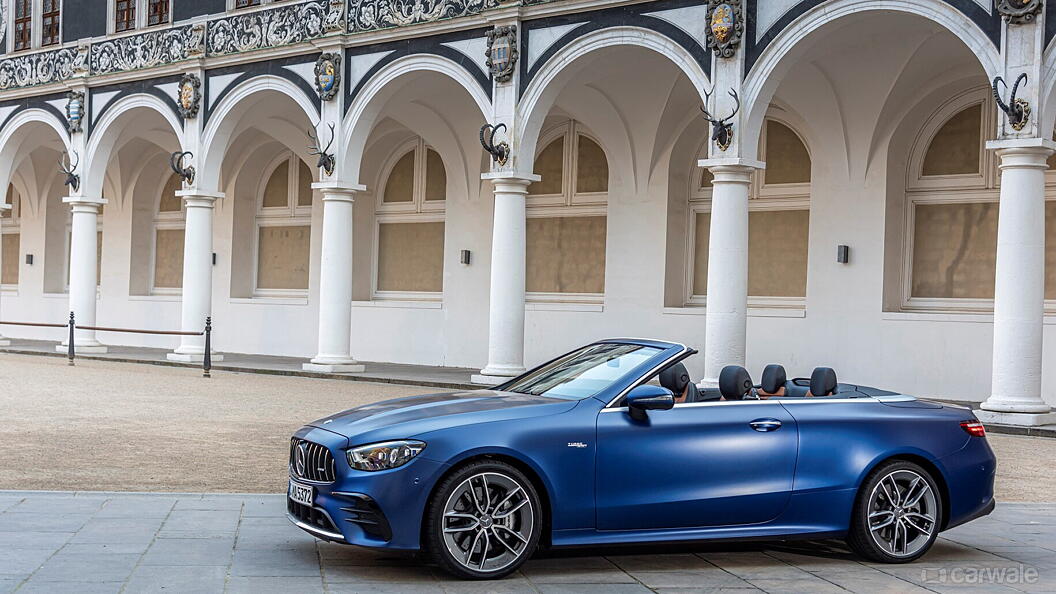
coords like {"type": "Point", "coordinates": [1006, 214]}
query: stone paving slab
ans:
{"type": "Point", "coordinates": [144, 542]}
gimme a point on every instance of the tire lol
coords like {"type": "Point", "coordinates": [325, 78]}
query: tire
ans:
{"type": "Point", "coordinates": [483, 521]}
{"type": "Point", "coordinates": [897, 514]}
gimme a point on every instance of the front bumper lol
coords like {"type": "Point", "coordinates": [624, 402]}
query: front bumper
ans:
{"type": "Point", "coordinates": [371, 509]}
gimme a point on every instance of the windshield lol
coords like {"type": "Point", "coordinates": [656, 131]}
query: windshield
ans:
{"type": "Point", "coordinates": [585, 372]}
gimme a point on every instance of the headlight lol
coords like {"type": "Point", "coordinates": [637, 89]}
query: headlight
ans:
{"type": "Point", "coordinates": [383, 456]}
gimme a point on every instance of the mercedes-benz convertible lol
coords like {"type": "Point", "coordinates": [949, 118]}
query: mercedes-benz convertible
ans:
{"type": "Point", "coordinates": [613, 443]}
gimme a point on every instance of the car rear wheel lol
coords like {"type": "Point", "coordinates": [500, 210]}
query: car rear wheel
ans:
{"type": "Point", "coordinates": [897, 515]}
{"type": "Point", "coordinates": [483, 521]}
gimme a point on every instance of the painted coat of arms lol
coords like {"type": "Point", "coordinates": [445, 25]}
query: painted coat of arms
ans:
{"type": "Point", "coordinates": [725, 26]}
{"type": "Point", "coordinates": [189, 96]}
{"type": "Point", "coordinates": [328, 75]}
{"type": "Point", "coordinates": [74, 111]}
{"type": "Point", "coordinates": [1019, 12]}
{"type": "Point", "coordinates": [502, 52]}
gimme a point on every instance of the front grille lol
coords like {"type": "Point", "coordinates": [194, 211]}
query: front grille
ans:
{"type": "Point", "coordinates": [311, 461]}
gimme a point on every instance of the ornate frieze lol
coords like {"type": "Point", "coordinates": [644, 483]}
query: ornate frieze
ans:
{"type": "Point", "coordinates": [41, 68]}
{"type": "Point", "coordinates": [146, 50]}
{"type": "Point", "coordinates": [289, 23]}
{"type": "Point", "coordinates": [370, 15]}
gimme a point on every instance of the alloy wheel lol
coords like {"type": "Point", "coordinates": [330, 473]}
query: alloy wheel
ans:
{"type": "Point", "coordinates": [902, 513]}
{"type": "Point", "coordinates": [488, 522]}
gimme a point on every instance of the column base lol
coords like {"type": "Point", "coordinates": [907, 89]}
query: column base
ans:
{"type": "Point", "coordinates": [485, 379]}
{"type": "Point", "coordinates": [193, 357]}
{"type": "Point", "coordinates": [1019, 419]}
{"type": "Point", "coordinates": [333, 367]}
{"type": "Point", "coordinates": [88, 349]}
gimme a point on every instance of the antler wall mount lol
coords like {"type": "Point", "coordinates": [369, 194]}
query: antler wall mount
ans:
{"type": "Point", "coordinates": [326, 160]}
{"type": "Point", "coordinates": [1016, 110]}
{"type": "Point", "coordinates": [721, 128]}
{"type": "Point", "coordinates": [500, 153]}
{"type": "Point", "coordinates": [176, 163]}
{"type": "Point", "coordinates": [68, 167]}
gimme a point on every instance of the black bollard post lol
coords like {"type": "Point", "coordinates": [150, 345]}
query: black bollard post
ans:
{"type": "Point", "coordinates": [207, 359]}
{"type": "Point", "coordinates": [70, 350]}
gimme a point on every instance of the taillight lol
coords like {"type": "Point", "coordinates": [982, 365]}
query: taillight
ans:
{"type": "Point", "coordinates": [973, 428]}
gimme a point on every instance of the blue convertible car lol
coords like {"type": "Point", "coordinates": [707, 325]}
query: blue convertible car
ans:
{"type": "Point", "coordinates": [612, 443]}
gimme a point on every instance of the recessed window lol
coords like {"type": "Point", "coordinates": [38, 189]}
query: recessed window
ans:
{"type": "Point", "coordinates": [955, 149]}
{"type": "Point", "coordinates": [10, 223]}
{"type": "Point", "coordinates": [283, 229]}
{"type": "Point", "coordinates": [157, 12]}
{"type": "Point", "coordinates": [124, 15]}
{"type": "Point", "coordinates": [23, 24]}
{"type": "Point", "coordinates": [169, 225]}
{"type": "Point", "coordinates": [410, 225]}
{"type": "Point", "coordinates": [49, 15]}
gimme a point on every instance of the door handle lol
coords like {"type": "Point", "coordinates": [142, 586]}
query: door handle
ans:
{"type": "Point", "coordinates": [764, 425]}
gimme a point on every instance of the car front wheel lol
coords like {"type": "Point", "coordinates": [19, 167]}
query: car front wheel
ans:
{"type": "Point", "coordinates": [483, 521]}
{"type": "Point", "coordinates": [898, 513]}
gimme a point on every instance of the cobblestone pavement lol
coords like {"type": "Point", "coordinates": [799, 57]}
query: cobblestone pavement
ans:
{"type": "Point", "coordinates": [105, 542]}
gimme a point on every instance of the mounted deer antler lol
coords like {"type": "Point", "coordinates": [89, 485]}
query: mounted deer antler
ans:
{"type": "Point", "coordinates": [176, 163]}
{"type": "Point", "coordinates": [72, 179]}
{"type": "Point", "coordinates": [326, 161]}
{"type": "Point", "coordinates": [1016, 110]}
{"type": "Point", "coordinates": [721, 129]}
{"type": "Point", "coordinates": [499, 152]}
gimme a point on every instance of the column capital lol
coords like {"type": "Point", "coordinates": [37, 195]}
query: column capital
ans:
{"type": "Point", "coordinates": [1024, 152]}
{"type": "Point", "coordinates": [510, 177]}
{"type": "Point", "coordinates": [338, 191]}
{"type": "Point", "coordinates": [199, 198]}
{"type": "Point", "coordinates": [731, 164]}
{"type": "Point", "coordinates": [83, 203]}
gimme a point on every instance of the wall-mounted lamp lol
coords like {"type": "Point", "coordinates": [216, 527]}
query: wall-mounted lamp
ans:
{"type": "Point", "coordinates": [464, 257]}
{"type": "Point", "coordinates": [843, 254]}
{"type": "Point", "coordinates": [214, 258]}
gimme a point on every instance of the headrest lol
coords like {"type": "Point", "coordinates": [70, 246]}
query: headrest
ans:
{"type": "Point", "coordinates": [823, 381]}
{"type": "Point", "coordinates": [734, 382]}
{"type": "Point", "coordinates": [675, 378]}
{"type": "Point", "coordinates": [773, 379]}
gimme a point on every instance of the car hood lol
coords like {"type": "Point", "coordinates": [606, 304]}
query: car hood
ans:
{"type": "Point", "coordinates": [408, 417]}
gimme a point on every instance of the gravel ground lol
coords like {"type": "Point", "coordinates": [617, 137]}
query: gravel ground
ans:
{"type": "Point", "coordinates": [130, 427]}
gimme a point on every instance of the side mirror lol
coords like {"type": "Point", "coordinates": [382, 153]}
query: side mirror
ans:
{"type": "Point", "coordinates": [649, 397]}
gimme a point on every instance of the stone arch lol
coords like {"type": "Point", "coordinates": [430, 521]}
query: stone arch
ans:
{"type": "Point", "coordinates": [767, 72]}
{"type": "Point", "coordinates": [225, 117]}
{"type": "Point", "coordinates": [17, 142]}
{"type": "Point", "coordinates": [363, 113]}
{"type": "Point", "coordinates": [107, 133]}
{"type": "Point", "coordinates": [548, 83]}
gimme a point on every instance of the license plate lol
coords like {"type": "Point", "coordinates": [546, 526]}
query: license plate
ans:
{"type": "Point", "coordinates": [301, 493]}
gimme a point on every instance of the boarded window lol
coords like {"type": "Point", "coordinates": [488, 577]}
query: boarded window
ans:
{"type": "Point", "coordinates": [592, 169]}
{"type": "Point", "coordinates": [956, 147]}
{"type": "Point", "coordinates": [169, 201]}
{"type": "Point", "coordinates": [168, 259]}
{"type": "Point", "coordinates": [777, 253]}
{"type": "Point", "coordinates": [566, 255]}
{"type": "Point", "coordinates": [954, 250]}
{"type": "Point", "coordinates": [549, 165]}
{"type": "Point", "coordinates": [411, 257]}
{"type": "Point", "coordinates": [304, 184]}
{"type": "Point", "coordinates": [9, 259]}
{"type": "Point", "coordinates": [400, 185]}
{"type": "Point", "coordinates": [787, 160]}
{"type": "Point", "coordinates": [282, 257]}
{"type": "Point", "coordinates": [435, 176]}
{"type": "Point", "coordinates": [276, 192]}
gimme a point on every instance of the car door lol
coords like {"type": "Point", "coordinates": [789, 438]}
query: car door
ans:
{"type": "Point", "coordinates": [699, 464]}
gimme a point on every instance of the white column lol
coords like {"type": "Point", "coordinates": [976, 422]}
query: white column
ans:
{"type": "Point", "coordinates": [84, 274]}
{"type": "Point", "coordinates": [197, 274]}
{"type": "Point", "coordinates": [1019, 290]}
{"type": "Point", "coordinates": [335, 282]}
{"type": "Point", "coordinates": [3, 341]}
{"type": "Point", "coordinates": [506, 308]}
{"type": "Point", "coordinates": [727, 300]}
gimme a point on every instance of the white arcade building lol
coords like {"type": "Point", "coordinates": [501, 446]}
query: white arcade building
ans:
{"type": "Point", "coordinates": [863, 201]}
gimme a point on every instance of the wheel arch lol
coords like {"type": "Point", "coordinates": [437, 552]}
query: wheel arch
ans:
{"type": "Point", "coordinates": [928, 464]}
{"type": "Point", "coordinates": [530, 470]}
